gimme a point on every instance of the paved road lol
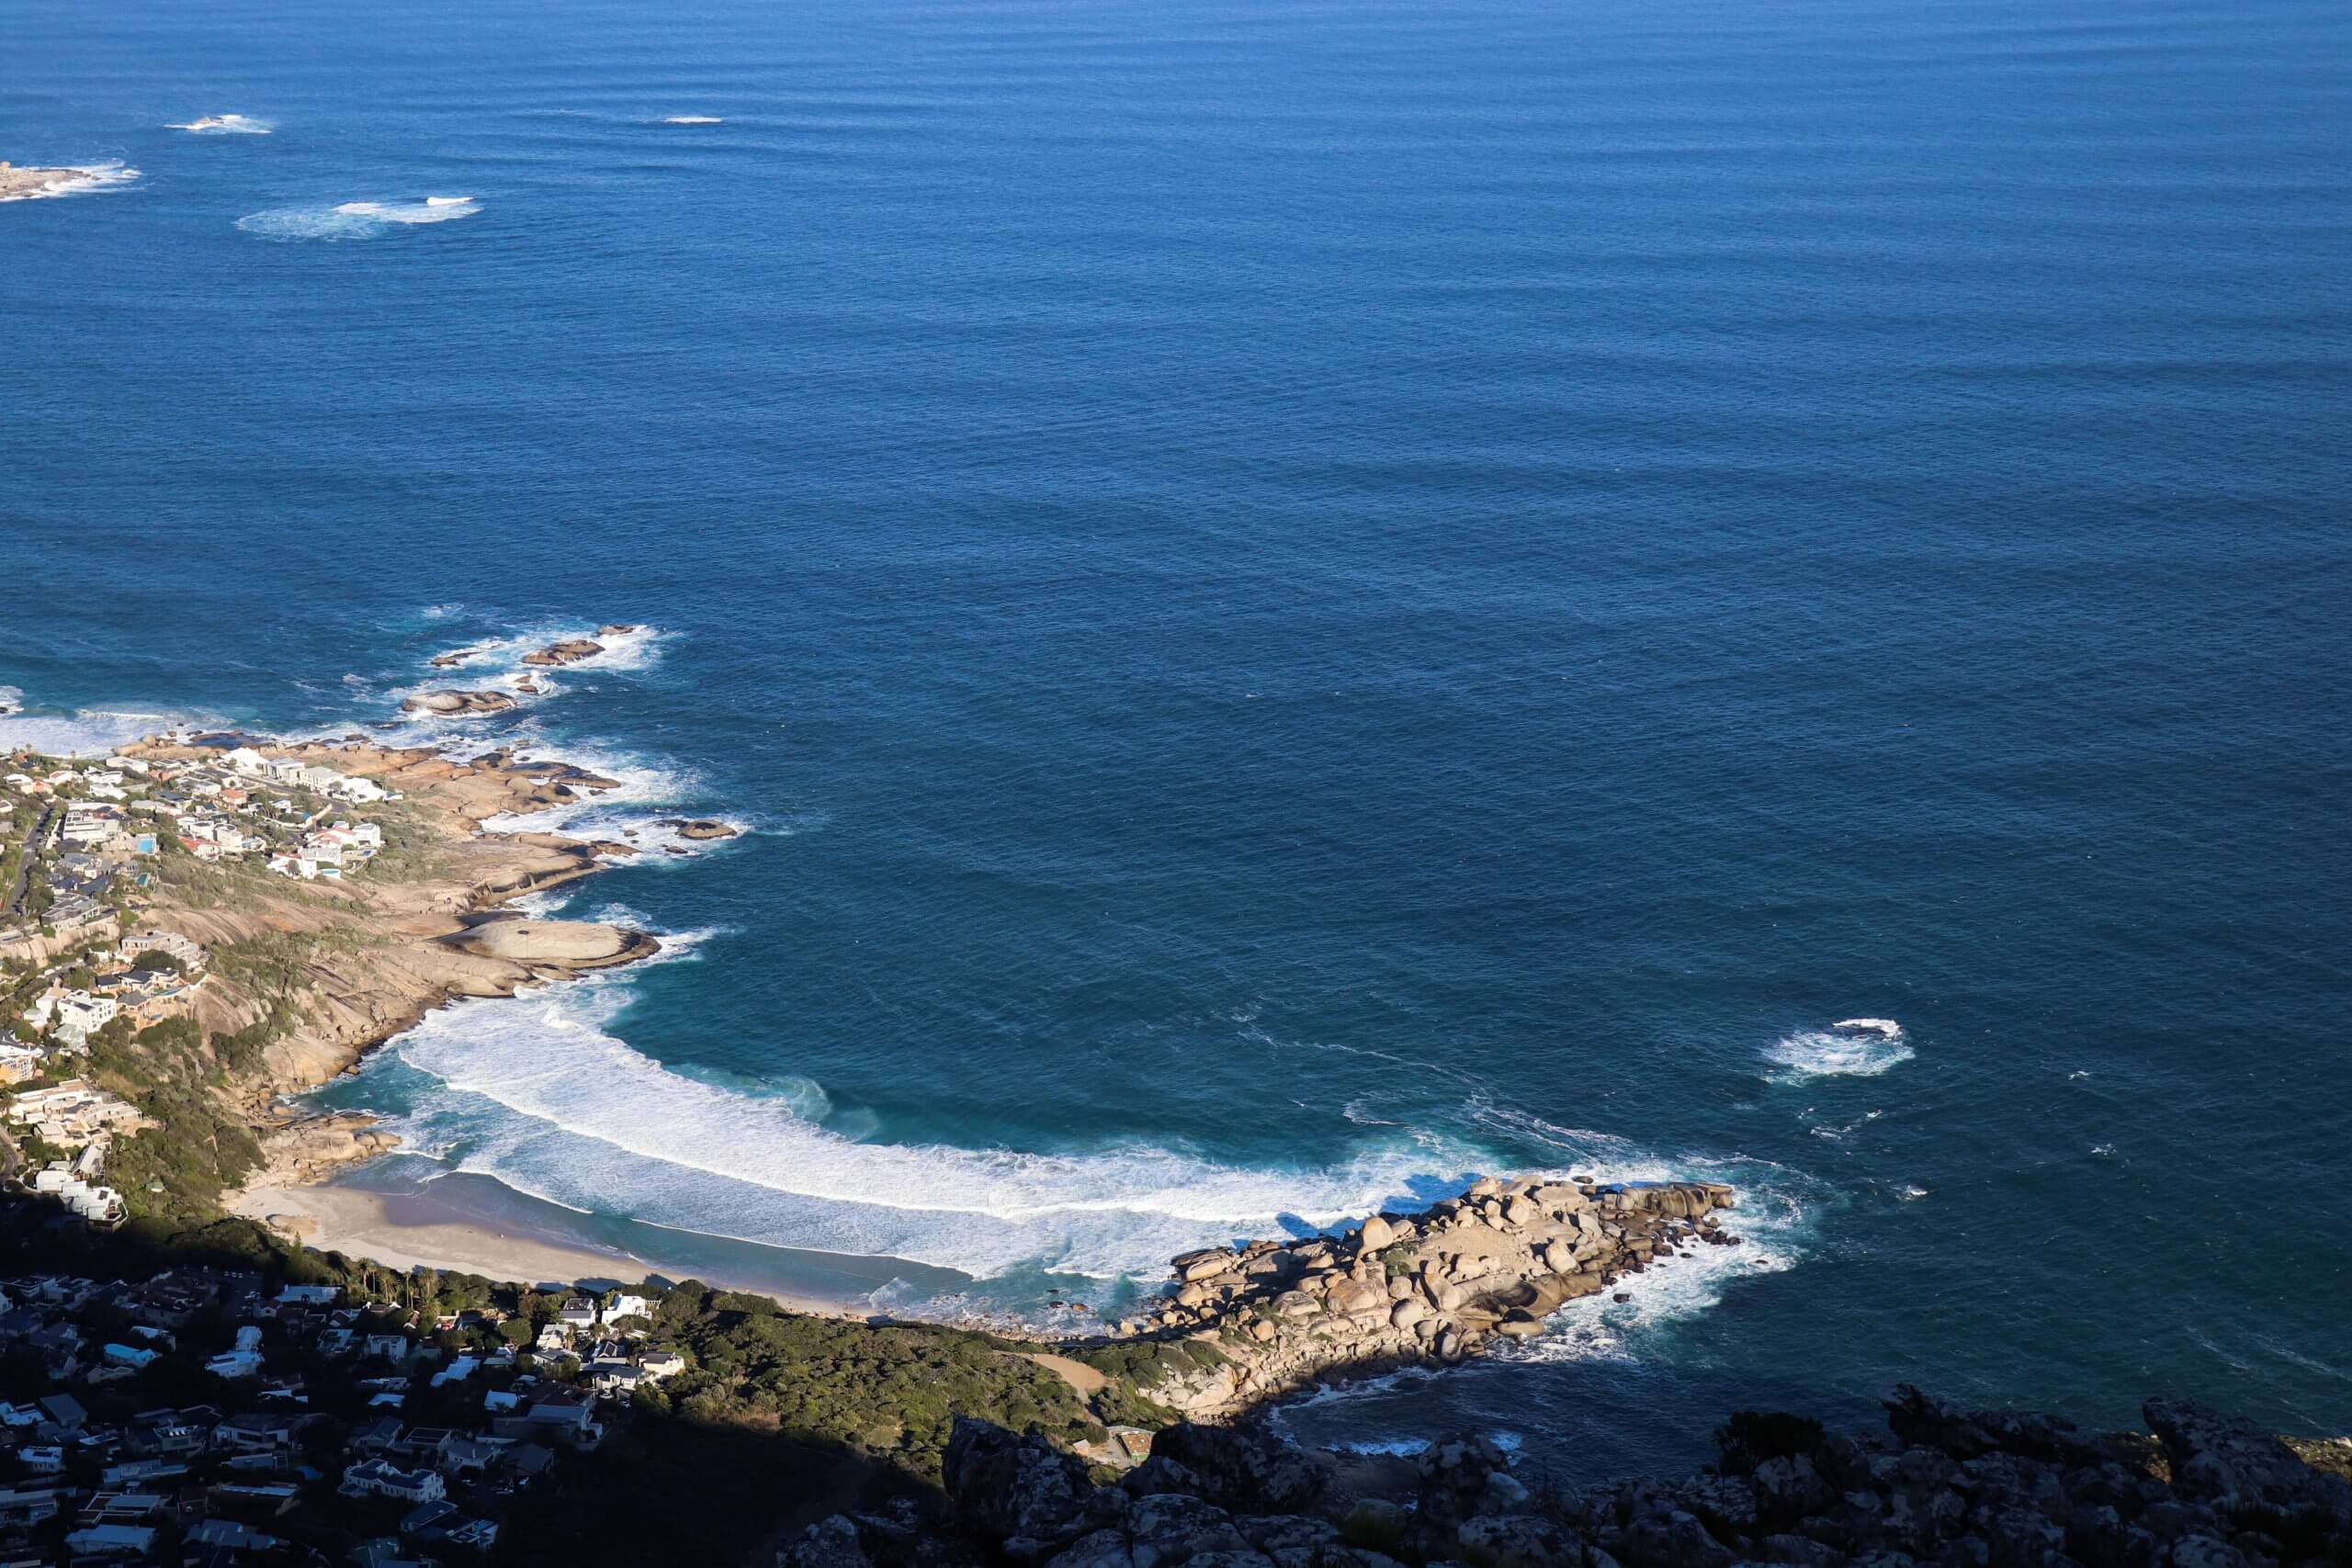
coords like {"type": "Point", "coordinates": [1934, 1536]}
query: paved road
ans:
{"type": "Point", "coordinates": [16, 904]}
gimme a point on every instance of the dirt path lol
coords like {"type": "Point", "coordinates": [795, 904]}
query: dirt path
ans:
{"type": "Point", "coordinates": [1078, 1374]}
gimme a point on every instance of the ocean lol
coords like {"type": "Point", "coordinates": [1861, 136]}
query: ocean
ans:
{"type": "Point", "coordinates": [1299, 601]}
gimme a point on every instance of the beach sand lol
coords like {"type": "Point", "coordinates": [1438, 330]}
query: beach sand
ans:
{"type": "Point", "coordinates": [410, 1230]}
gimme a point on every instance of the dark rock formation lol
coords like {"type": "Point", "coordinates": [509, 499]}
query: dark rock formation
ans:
{"type": "Point", "coordinates": [1949, 1489]}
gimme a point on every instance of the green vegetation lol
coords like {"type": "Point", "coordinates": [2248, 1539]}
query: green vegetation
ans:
{"type": "Point", "coordinates": [198, 1146]}
{"type": "Point", "coordinates": [888, 1391]}
{"type": "Point", "coordinates": [1147, 1364]}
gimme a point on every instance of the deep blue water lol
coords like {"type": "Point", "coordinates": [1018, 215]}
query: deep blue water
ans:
{"type": "Point", "coordinates": [1303, 599]}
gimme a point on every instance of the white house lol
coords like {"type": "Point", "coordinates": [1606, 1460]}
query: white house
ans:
{"type": "Point", "coordinates": [235, 1364]}
{"type": "Point", "coordinates": [187, 951]}
{"type": "Point", "coordinates": [81, 1015]}
{"type": "Point", "coordinates": [248, 761]}
{"type": "Point", "coordinates": [624, 1304]}
{"type": "Point", "coordinates": [375, 1478]}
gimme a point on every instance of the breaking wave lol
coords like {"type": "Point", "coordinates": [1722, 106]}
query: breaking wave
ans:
{"type": "Point", "coordinates": [226, 125]}
{"type": "Point", "coordinates": [89, 733]}
{"type": "Point", "coordinates": [1832, 1053]}
{"type": "Point", "coordinates": [536, 1092]}
{"type": "Point", "coordinates": [356, 220]}
{"type": "Point", "coordinates": [1771, 1221]}
{"type": "Point", "coordinates": [692, 120]}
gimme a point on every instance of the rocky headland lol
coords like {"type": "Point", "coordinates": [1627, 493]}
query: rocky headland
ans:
{"type": "Point", "coordinates": [1406, 1290]}
{"type": "Point", "coordinates": [1941, 1486]}
{"type": "Point", "coordinates": [352, 967]}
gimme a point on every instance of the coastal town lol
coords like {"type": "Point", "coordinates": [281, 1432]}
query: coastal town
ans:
{"type": "Point", "coordinates": [208, 1415]}
{"type": "Point", "coordinates": [86, 845]}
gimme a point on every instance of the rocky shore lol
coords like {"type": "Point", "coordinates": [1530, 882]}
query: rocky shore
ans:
{"type": "Point", "coordinates": [17, 184]}
{"type": "Point", "coordinates": [385, 949]}
{"type": "Point", "coordinates": [1941, 1486]}
{"type": "Point", "coordinates": [1416, 1289]}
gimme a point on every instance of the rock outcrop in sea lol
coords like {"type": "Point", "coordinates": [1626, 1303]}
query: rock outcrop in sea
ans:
{"type": "Point", "coordinates": [571, 650]}
{"type": "Point", "coordinates": [1405, 1289]}
{"type": "Point", "coordinates": [1943, 1486]}
{"type": "Point", "coordinates": [459, 704]}
{"type": "Point", "coordinates": [698, 828]}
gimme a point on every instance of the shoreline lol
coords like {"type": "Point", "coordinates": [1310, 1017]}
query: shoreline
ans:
{"type": "Point", "coordinates": [469, 920]}
{"type": "Point", "coordinates": [410, 1231]}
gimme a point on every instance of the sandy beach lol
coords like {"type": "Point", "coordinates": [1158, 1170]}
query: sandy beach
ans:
{"type": "Point", "coordinates": [410, 1231]}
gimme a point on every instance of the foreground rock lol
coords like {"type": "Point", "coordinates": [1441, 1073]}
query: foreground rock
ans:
{"type": "Point", "coordinates": [316, 1147]}
{"type": "Point", "coordinates": [1945, 1487]}
{"type": "Point", "coordinates": [459, 704]}
{"type": "Point", "coordinates": [1405, 1289]}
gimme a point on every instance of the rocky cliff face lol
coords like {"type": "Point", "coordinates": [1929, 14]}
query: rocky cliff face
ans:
{"type": "Point", "coordinates": [1403, 1290]}
{"type": "Point", "coordinates": [1946, 1487]}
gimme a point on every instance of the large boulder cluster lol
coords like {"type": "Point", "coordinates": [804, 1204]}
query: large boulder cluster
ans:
{"type": "Point", "coordinates": [1432, 1287]}
{"type": "Point", "coordinates": [1945, 1488]}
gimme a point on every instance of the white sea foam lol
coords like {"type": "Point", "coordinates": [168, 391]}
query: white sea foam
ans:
{"type": "Point", "coordinates": [1769, 1221]}
{"type": "Point", "coordinates": [73, 179]}
{"type": "Point", "coordinates": [1832, 1053]}
{"type": "Point", "coordinates": [692, 120]}
{"type": "Point", "coordinates": [226, 125]}
{"type": "Point", "coordinates": [356, 220]}
{"type": "Point", "coordinates": [635, 649]}
{"type": "Point", "coordinates": [91, 732]}
{"type": "Point", "coordinates": [539, 1093]}
{"type": "Point", "coordinates": [11, 699]}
